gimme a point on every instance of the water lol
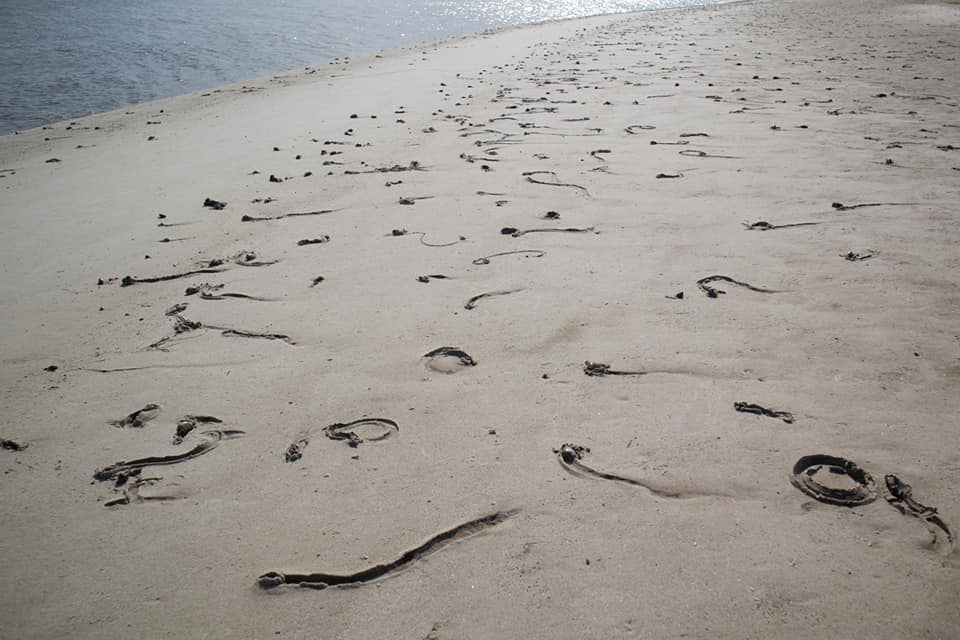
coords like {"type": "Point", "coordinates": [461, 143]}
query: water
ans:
{"type": "Point", "coordinates": [61, 59]}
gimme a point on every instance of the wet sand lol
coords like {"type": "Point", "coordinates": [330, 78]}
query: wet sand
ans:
{"type": "Point", "coordinates": [476, 248]}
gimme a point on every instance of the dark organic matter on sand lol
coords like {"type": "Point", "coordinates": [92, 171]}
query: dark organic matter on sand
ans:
{"type": "Point", "coordinates": [273, 579]}
{"type": "Point", "coordinates": [348, 431]}
{"type": "Point", "coordinates": [804, 478]}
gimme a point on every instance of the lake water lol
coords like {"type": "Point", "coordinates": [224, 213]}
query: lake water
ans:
{"type": "Point", "coordinates": [61, 59]}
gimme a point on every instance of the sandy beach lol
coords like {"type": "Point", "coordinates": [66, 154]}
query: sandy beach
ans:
{"type": "Point", "coordinates": [695, 245]}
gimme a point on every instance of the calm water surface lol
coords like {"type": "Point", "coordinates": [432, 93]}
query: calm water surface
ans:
{"type": "Point", "coordinates": [66, 58]}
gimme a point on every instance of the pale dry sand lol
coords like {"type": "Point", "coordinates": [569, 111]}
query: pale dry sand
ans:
{"type": "Point", "coordinates": [803, 101]}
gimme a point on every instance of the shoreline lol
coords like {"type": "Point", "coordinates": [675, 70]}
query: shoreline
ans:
{"type": "Point", "coordinates": [470, 252]}
{"type": "Point", "coordinates": [322, 61]}
{"type": "Point", "coordinates": [319, 67]}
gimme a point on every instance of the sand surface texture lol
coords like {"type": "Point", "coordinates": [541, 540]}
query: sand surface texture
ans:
{"type": "Point", "coordinates": [676, 146]}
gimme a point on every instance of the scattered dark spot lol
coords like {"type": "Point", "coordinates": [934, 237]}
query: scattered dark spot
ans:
{"type": "Point", "coordinates": [320, 240]}
{"type": "Point", "coordinates": [11, 445]}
